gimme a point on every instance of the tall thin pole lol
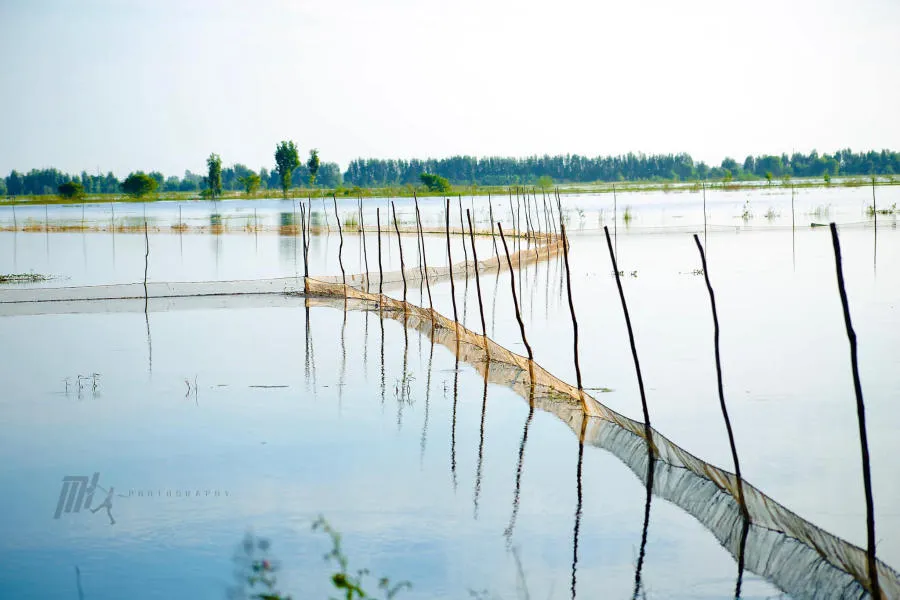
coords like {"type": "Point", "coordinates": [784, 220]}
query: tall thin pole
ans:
{"type": "Point", "coordinates": [424, 261]}
{"type": "Point", "coordinates": [400, 245]}
{"type": "Point", "coordinates": [874, 587]}
{"type": "Point", "coordinates": [477, 279]}
{"type": "Point", "coordinates": [341, 246]}
{"type": "Point", "coordinates": [146, 264]}
{"type": "Point", "coordinates": [704, 212]}
{"type": "Point", "coordinates": [362, 229]}
{"type": "Point", "coordinates": [303, 239]}
{"type": "Point", "coordinates": [380, 271]}
{"type": "Point", "coordinates": [493, 239]}
{"type": "Point", "coordinates": [634, 355]}
{"type": "Point", "coordinates": [715, 315]}
{"type": "Point", "coordinates": [512, 280]}
{"type": "Point", "coordinates": [450, 263]}
{"type": "Point", "coordinates": [565, 241]}
{"type": "Point", "coordinates": [462, 234]}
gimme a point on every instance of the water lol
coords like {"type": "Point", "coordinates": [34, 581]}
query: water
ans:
{"type": "Point", "coordinates": [383, 471]}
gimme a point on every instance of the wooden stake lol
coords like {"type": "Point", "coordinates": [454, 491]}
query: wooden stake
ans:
{"type": "Point", "coordinates": [362, 229]}
{"type": "Point", "coordinates": [424, 261]}
{"type": "Point", "coordinates": [715, 315]}
{"type": "Point", "coordinates": [874, 587]}
{"type": "Point", "coordinates": [341, 246]}
{"type": "Point", "coordinates": [565, 242]}
{"type": "Point", "coordinates": [400, 245]}
{"type": "Point", "coordinates": [477, 280]}
{"type": "Point", "coordinates": [634, 355]}
{"type": "Point", "coordinates": [303, 239]}
{"type": "Point", "coordinates": [380, 272]}
{"type": "Point", "coordinates": [146, 263]}
{"type": "Point", "coordinates": [450, 263]}
{"type": "Point", "coordinates": [512, 279]}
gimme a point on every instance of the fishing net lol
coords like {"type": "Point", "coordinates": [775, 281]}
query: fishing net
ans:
{"type": "Point", "coordinates": [796, 555]}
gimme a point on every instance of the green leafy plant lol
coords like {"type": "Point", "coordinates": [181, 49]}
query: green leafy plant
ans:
{"type": "Point", "coordinates": [256, 572]}
{"type": "Point", "coordinates": [349, 585]}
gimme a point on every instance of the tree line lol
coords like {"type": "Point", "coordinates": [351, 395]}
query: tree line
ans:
{"type": "Point", "coordinates": [466, 170]}
{"type": "Point", "coordinates": [237, 177]}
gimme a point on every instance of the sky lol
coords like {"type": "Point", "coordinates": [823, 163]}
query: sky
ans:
{"type": "Point", "coordinates": [160, 84]}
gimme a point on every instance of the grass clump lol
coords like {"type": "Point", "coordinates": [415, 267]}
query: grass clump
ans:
{"type": "Point", "coordinates": [23, 278]}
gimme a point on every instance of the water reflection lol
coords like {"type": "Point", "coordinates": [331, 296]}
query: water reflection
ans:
{"type": "Point", "coordinates": [578, 488]}
{"type": "Point", "coordinates": [478, 469]}
{"type": "Point", "coordinates": [453, 427]}
{"type": "Point", "coordinates": [519, 466]}
{"type": "Point", "coordinates": [651, 468]}
{"type": "Point", "coordinates": [424, 439]}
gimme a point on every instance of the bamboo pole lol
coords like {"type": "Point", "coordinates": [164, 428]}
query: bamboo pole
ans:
{"type": "Point", "coordinates": [146, 264]}
{"type": "Point", "coordinates": [462, 234]}
{"type": "Point", "coordinates": [874, 587]}
{"type": "Point", "coordinates": [380, 271]}
{"type": "Point", "coordinates": [424, 260]}
{"type": "Point", "coordinates": [341, 246]}
{"type": "Point", "coordinates": [478, 283]}
{"type": "Point", "coordinates": [565, 243]}
{"type": "Point", "coordinates": [362, 229]}
{"type": "Point", "coordinates": [634, 355]}
{"type": "Point", "coordinates": [400, 245]}
{"type": "Point", "coordinates": [303, 239]}
{"type": "Point", "coordinates": [493, 239]}
{"type": "Point", "coordinates": [450, 263]}
{"type": "Point", "coordinates": [512, 279]}
{"type": "Point", "coordinates": [734, 454]}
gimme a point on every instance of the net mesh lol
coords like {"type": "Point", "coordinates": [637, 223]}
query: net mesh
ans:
{"type": "Point", "coordinates": [799, 557]}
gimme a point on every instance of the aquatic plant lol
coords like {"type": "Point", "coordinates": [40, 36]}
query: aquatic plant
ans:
{"type": "Point", "coordinates": [402, 385]}
{"type": "Point", "coordinates": [23, 278]}
{"type": "Point", "coordinates": [627, 216]}
{"type": "Point", "coordinates": [771, 214]}
{"type": "Point", "coordinates": [256, 572]}
{"type": "Point", "coordinates": [351, 586]}
{"type": "Point", "coordinates": [747, 212]}
{"type": "Point", "coordinates": [872, 211]}
{"type": "Point", "coordinates": [351, 223]}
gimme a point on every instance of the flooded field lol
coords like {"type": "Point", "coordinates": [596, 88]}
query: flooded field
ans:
{"type": "Point", "coordinates": [217, 414]}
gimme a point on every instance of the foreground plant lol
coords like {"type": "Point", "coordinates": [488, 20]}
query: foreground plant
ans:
{"type": "Point", "coordinates": [351, 586]}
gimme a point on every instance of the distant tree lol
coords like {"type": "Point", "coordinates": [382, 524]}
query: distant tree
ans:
{"type": "Point", "coordinates": [727, 176]}
{"type": "Point", "coordinates": [2, 187]}
{"type": "Point", "coordinates": [313, 165]}
{"type": "Point", "coordinates": [14, 183]}
{"type": "Point", "coordinates": [172, 184]}
{"type": "Point", "coordinates": [138, 184]}
{"type": "Point", "coordinates": [250, 181]}
{"type": "Point", "coordinates": [545, 182]}
{"type": "Point", "coordinates": [158, 177]}
{"type": "Point", "coordinates": [769, 177]}
{"type": "Point", "coordinates": [287, 159]}
{"type": "Point", "coordinates": [435, 183]}
{"type": "Point", "coordinates": [263, 178]}
{"type": "Point", "coordinates": [827, 177]}
{"type": "Point", "coordinates": [214, 175]}
{"type": "Point", "coordinates": [71, 190]}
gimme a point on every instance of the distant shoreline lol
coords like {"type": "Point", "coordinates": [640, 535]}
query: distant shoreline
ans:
{"type": "Point", "coordinates": [457, 190]}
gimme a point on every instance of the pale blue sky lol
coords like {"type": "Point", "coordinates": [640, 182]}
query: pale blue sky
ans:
{"type": "Point", "coordinates": [158, 85]}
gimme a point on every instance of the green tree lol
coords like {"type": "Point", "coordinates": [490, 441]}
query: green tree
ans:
{"type": "Point", "coordinates": [769, 177]}
{"type": "Point", "coordinates": [138, 185]}
{"type": "Point", "coordinates": [250, 181]}
{"type": "Point", "coordinates": [827, 178]}
{"type": "Point", "coordinates": [545, 182]}
{"type": "Point", "coordinates": [71, 190]}
{"type": "Point", "coordinates": [435, 183]}
{"type": "Point", "coordinates": [214, 175]}
{"type": "Point", "coordinates": [313, 165]}
{"type": "Point", "coordinates": [287, 159]}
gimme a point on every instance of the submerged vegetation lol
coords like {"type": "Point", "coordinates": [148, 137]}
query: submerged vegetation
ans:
{"type": "Point", "coordinates": [257, 579]}
{"type": "Point", "coordinates": [23, 278]}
